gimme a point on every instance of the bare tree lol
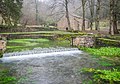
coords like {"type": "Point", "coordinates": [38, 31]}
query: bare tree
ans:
{"type": "Point", "coordinates": [97, 20]}
{"type": "Point", "coordinates": [67, 14]}
{"type": "Point", "coordinates": [36, 8]}
{"type": "Point", "coordinates": [113, 17]}
{"type": "Point", "coordinates": [92, 9]}
{"type": "Point", "coordinates": [61, 7]}
{"type": "Point", "coordinates": [83, 13]}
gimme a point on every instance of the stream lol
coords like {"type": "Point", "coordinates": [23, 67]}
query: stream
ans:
{"type": "Point", "coordinates": [48, 65]}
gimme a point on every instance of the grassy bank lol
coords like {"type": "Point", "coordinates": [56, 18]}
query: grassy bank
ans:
{"type": "Point", "coordinates": [109, 72]}
{"type": "Point", "coordinates": [103, 51]}
{"type": "Point", "coordinates": [43, 32]}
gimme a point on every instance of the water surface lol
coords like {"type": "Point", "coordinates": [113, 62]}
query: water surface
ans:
{"type": "Point", "coordinates": [59, 67]}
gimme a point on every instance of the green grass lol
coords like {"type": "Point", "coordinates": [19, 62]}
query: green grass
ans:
{"type": "Point", "coordinates": [5, 77]}
{"type": "Point", "coordinates": [109, 72]}
{"type": "Point", "coordinates": [42, 32]}
{"type": "Point", "coordinates": [28, 44]}
{"type": "Point", "coordinates": [108, 56]}
{"type": "Point", "coordinates": [103, 51]}
{"type": "Point", "coordinates": [104, 76]}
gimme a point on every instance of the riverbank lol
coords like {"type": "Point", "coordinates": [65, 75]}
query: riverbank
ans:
{"type": "Point", "coordinates": [109, 72]}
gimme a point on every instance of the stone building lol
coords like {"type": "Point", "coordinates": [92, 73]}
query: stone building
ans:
{"type": "Point", "coordinates": [76, 23]}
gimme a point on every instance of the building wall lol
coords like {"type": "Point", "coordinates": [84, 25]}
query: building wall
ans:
{"type": "Point", "coordinates": [76, 23]}
{"type": "Point", "coordinates": [62, 24]}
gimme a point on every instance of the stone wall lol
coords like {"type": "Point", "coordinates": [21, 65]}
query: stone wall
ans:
{"type": "Point", "coordinates": [28, 29]}
{"type": "Point", "coordinates": [84, 41]}
{"type": "Point", "coordinates": [105, 42]}
{"type": "Point", "coordinates": [3, 43]}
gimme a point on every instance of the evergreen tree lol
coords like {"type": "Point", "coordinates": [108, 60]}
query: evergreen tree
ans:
{"type": "Point", "coordinates": [10, 10]}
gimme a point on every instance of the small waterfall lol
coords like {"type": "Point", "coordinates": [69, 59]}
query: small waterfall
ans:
{"type": "Point", "coordinates": [39, 53]}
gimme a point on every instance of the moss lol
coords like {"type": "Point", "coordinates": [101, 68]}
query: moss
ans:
{"type": "Point", "coordinates": [108, 42]}
{"type": "Point", "coordinates": [1, 54]}
{"type": "Point", "coordinates": [114, 37]}
{"type": "Point", "coordinates": [28, 44]}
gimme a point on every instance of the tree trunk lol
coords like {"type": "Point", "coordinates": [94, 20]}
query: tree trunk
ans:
{"type": "Point", "coordinates": [115, 23]}
{"type": "Point", "coordinates": [67, 15]}
{"type": "Point", "coordinates": [91, 6]}
{"type": "Point", "coordinates": [83, 10]}
{"type": "Point", "coordinates": [97, 25]}
{"type": "Point", "coordinates": [110, 18]}
{"type": "Point", "coordinates": [113, 18]}
{"type": "Point", "coordinates": [36, 7]}
{"type": "Point", "coordinates": [115, 30]}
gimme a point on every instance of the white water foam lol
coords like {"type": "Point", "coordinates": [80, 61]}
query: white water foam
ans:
{"type": "Point", "coordinates": [41, 55]}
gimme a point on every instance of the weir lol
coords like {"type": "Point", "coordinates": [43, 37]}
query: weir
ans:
{"type": "Point", "coordinates": [39, 53]}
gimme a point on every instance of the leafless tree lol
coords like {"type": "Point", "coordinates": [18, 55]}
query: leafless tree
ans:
{"type": "Point", "coordinates": [67, 14]}
{"type": "Point", "coordinates": [97, 20]}
{"type": "Point", "coordinates": [113, 17]}
{"type": "Point", "coordinates": [61, 7]}
{"type": "Point", "coordinates": [92, 9]}
{"type": "Point", "coordinates": [83, 13]}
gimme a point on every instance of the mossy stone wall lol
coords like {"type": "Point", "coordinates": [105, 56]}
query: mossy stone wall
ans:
{"type": "Point", "coordinates": [107, 42]}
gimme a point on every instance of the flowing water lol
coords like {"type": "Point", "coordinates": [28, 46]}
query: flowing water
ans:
{"type": "Point", "coordinates": [48, 65]}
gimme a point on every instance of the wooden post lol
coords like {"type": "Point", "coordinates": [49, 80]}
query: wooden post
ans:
{"type": "Point", "coordinates": [72, 41]}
